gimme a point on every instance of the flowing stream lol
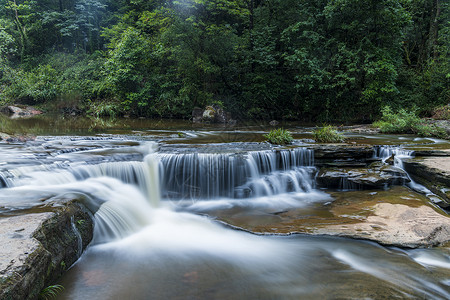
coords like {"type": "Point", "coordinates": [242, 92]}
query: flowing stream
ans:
{"type": "Point", "coordinates": [154, 238]}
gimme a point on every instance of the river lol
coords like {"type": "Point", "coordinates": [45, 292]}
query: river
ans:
{"type": "Point", "coordinates": [158, 189]}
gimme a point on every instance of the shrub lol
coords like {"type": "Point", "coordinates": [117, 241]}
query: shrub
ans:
{"type": "Point", "coordinates": [328, 134]}
{"type": "Point", "coordinates": [279, 137]}
{"type": "Point", "coordinates": [104, 108]}
{"type": "Point", "coordinates": [402, 121]}
{"type": "Point", "coordinates": [405, 121]}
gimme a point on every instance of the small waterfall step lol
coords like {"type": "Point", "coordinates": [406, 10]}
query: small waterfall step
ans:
{"type": "Point", "coordinates": [236, 175]}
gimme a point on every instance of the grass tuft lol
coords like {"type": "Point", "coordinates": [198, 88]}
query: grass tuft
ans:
{"type": "Point", "coordinates": [279, 136]}
{"type": "Point", "coordinates": [328, 134]}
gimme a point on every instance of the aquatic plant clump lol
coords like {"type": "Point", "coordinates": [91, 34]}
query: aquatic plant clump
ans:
{"type": "Point", "coordinates": [328, 134]}
{"type": "Point", "coordinates": [279, 136]}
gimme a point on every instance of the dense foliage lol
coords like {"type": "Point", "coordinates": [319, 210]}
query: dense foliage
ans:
{"type": "Point", "coordinates": [292, 59]}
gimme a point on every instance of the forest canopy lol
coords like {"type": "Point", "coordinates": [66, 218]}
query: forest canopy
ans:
{"type": "Point", "coordinates": [287, 59]}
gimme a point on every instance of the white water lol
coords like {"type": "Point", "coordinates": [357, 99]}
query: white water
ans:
{"type": "Point", "coordinates": [384, 152]}
{"type": "Point", "coordinates": [256, 174]}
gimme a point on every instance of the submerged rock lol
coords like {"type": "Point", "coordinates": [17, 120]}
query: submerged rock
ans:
{"type": "Point", "coordinates": [35, 249]}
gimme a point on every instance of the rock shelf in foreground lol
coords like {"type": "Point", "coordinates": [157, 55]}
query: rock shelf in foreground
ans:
{"type": "Point", "coordinates": [36, 248]}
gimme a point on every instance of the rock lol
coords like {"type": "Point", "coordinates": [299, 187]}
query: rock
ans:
{"type": "Point", "coordinates": [398, 225]}
{"type": "Point", "coordinates": [16, 138]}
{"type": "Point", "coordinates": [212, 114]}
{"type": "Point", "coordinates": [22, 112]}
{"type": "Point", "coordinates": [35, 249]}
{"type": "Point", "coordinates": [362, 129]}
{"type": "Point", "coordinates": [274, 123]}
{"type": "Point", "coordinates": [221, 116]}
{"type": "Point", "coordinates": [4, 136]}
{"type": "Point", "coordinates": [342, 151]}
{"type": "Point", "coordinates": [390, 160]}
{"type": "Point", "coordinates": [197, 115]}
{"type": "Point", "coordinates": [361, 178]}
{"type": "Point", "coordinates": [431, 152]}
{"type": "Point", "coordinates": [209, 114]}
{"type": "Point", "coordinates": [394, 217]}
{"type": "Point", "coordinates": [433, 173]}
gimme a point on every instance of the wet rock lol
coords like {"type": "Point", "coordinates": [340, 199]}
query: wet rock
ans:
{"type": "Point", "coordinates": [342, 151]}
{"type": "Point", "coordinates": [390, 160]}
{"type": "Point", "coordinates": [433, 173]}
{"type": "Point", "coordinates": [379, 176]}
{"type": "Point", "coordinates": [363, 129]}
{"type": "Point", "coordinates": [4, 136]}
{"type": "Point", "coordinates": [395, 217]}
{"type": "Point", "coordinates": [431, 152]}
{"type": "Point", "coordinates": [16, 138]}
{"type": "Point", "coordinates": [209, 114]}
{"type": "Point", "coordinates": [399, 225]}
{"type": "Point", "coordinates": [35, 249]}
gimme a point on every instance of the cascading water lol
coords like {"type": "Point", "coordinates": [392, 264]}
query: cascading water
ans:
{"type": "Point", "coordinates": [385, 152]}
{"type": "Point", "coordinates": [255, 174]}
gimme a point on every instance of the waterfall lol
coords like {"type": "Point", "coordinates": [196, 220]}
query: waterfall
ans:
{"type": "Point", "coordinates": [257, 173]}
{"type": "Point", "coordinates": [384, 152]}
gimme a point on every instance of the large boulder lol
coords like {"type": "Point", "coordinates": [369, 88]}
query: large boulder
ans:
{"type": "Point", "coordinates": [209, 114]}
{"type": "Point", "coordinates": [212, 114]}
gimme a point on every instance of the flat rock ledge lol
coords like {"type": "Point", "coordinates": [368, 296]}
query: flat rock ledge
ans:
{"type": "Point", "coordinates": [37, 248]}
{"type": "Point", "coordinates": [398, 225]}
{"type": "Point", "coordinates": [393, 217]}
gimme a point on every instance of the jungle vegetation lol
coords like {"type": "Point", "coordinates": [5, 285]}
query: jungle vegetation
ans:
{"type": "Point", "coordinates": [319, 60]}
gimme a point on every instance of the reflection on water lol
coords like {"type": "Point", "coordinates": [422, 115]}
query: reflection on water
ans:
{"type": "Point", "coordinates": [184, 131]}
